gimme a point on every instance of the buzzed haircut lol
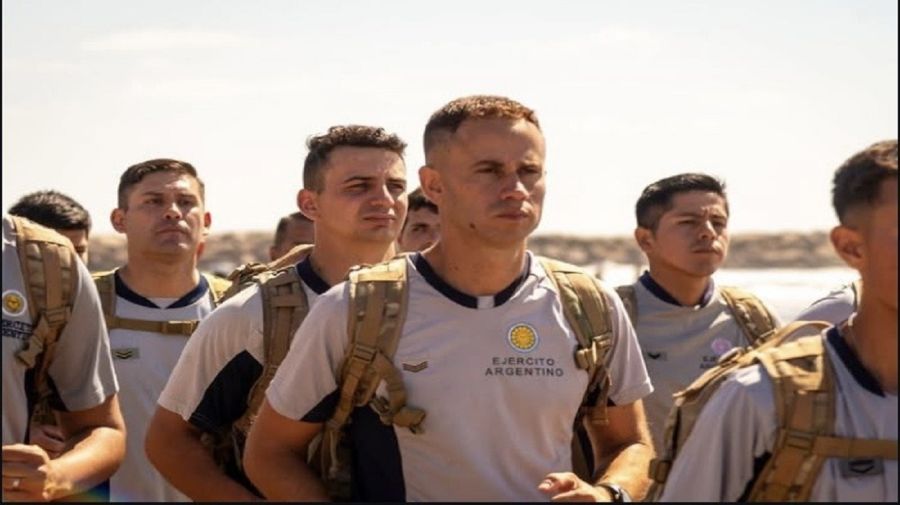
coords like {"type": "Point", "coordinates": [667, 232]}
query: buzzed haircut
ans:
{"type": "Point", "coordinates": [281, 229]}
{"type": "Point", "coordinates": [656, 199]}
{"type": "Point", "coordinates": [320, 146]}
{"type": "Point", "coordinates": [418, 200]}
{"type": "Point", "coordinates": [857, 181]}
{"type": "Point", "coordinates": [136, 173]}
{"type": "Point", "coordinates": [448, 118]}
{"type": "Point", "coordinates": [53, 210]}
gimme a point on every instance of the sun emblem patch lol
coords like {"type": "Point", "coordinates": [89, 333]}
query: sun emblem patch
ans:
{"type": "Point", "coordinates": [522, 337]}
{"type": "Point", "coordinates": [14, 303]}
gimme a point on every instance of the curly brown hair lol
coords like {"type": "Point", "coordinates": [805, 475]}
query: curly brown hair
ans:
{"type": "Point", "coordinates": [448, 118]}
{"type": "Point", "coordinates": [858, 180]}
{"type": "Point", "coordinates": [320, 146]}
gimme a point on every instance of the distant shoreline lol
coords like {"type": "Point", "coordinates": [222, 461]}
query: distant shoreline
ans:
{"type": "Point", "coordinates": [225, 250]}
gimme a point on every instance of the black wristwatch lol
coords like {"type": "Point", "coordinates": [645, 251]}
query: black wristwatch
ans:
{"type": "Point", "coordinates": [618, 494]}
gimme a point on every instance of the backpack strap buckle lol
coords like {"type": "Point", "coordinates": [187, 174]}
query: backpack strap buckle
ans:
{"type": "Point", "coordinates": [799, 439]}
{"type": "Point", "coordinates": [587, 358]}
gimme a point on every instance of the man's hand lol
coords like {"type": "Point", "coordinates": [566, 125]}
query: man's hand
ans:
{"type": "Point", "coordinates": [566, 486]}
{"type": "Point", "coordinates": [48, 437]}
{"type": "Point", "coordinates": [28, 474]}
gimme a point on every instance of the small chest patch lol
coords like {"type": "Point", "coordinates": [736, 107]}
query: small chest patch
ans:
{"type": "Point", "coordinates": [522, 337]}
{"type": "Point", "coordinates": [720, 346]}
{"type": "Point", "coordinates": [126, 353]}
{"type": "Point", "coordinates": [14, 303]}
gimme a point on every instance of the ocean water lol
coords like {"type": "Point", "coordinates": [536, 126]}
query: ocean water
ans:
{"type": "Point", "coordinates": [787, 290]}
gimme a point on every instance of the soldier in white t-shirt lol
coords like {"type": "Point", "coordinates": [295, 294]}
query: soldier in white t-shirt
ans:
{"type": "Point", "coordinates": [735, 449]}
{"type": "Point", "coordinates": [684, 321]}
{"type": "Point", "coordinates": [80, 375]}
{"type": "Point", "coordinates": [354, 192]}
{"type": "Point", "coordinates": [153, 302]}
{"type": "Point", "coordinates": [485, 350]}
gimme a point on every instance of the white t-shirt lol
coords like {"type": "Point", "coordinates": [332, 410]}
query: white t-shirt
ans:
{"type": "Point", "coordinates": [680, 343]}
{"type": "Point", "coordinates": [82, 371]}
{"type": "Point", "coordinates": [143, 362]}
{"type": "Point", "coordinates": [495, 374]}
{"type": "Point", "coordinates": [736, 431]}
{"type": "Point", "coordinates": [223, 359]}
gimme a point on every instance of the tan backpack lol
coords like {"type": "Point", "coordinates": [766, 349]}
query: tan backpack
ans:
{"type": "Point", "coordinates": [285, 306]}
{"type": "Point", "coordinates": [50, 273]}
{"type": "Point", "coordinates": [378, 301]}
{"type": "Point", "coordinates": [751, 314]}
{"type": "Point", "coordinates": [805, 408]}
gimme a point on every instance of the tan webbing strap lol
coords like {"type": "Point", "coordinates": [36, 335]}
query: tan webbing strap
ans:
{"type": "Point", "coordinates": [803, 386]}
{"type": "Point", "coordinates": [284, 307]}
{"type": "Point", "coordinates": [218, 287]}
{"type": "Point", "coordinates": [378, 300]}
{"type": "Point", "coordinates": [689, 402]}
{"type": "Point", "coordinates": [50, 275]}
{"type": "Point", "coordinates": [629, 300]}
{"type": "Point", "coordinates": [587, 312]}
{"type": "Point", "coordinates": [750, 313]}
{"type": "Point", "coordinates": [106, 288]}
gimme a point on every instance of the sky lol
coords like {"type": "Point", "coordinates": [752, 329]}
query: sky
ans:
{"type": "Point", "coordinates": [771, 96]}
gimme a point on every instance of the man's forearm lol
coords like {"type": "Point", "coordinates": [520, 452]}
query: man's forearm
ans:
{"type": "Point", "coordinates": [628, 467]}
{"type": "Point", "coordinates": [188, 465]}
{"type": "Point", "coordinates": [94, 455]}
{"type": "Point", "coordinates": [284, 475]}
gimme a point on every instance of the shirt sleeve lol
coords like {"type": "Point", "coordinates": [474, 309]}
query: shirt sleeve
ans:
{"type": "Point", "coordinates": [629, 380]}
{"type": "Point", "coordinates": [736, 427]}
{"type": "Point", "coordinates": [834, 308]}
{"type": "Point", "coordinates": [308, 375]}
{"type": "Point", "coordinates": [221, 362]}
{"type": "Point", "coordinates": [82, 370]}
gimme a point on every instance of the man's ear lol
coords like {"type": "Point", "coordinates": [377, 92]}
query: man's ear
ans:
{"type": "Point", "coordinates": [307, 202]}
{"type": "Point", "coordinates": [117, 219]}
{"type": "Point", "coordinates": [848, 243]}
{"type": "Point", "coordinates": [207, 222]}
{"type": "Point", "coordinates": [431, 184]}
{"type": "Point", "coordinates": [644, 238]}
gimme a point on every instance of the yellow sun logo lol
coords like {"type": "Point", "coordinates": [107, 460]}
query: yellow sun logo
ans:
{"type": "Point", "coordinates": [13, 303]}
{"type": "Point", "coordinates": [522, 337]}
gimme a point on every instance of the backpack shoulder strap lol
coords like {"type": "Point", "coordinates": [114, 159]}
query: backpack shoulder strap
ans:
{"type": "Point", "coordinates": [106, 288]}
{"type": "Point", "coordinates": [377, 309]}
{"type": "Point", "coordinates": [587, 311]}
{"type": "Point", "coordinates": [629, 300]}
{"type": "Point", "coordinates": [804, 388]}
{"type": "Point", "coordinates": [285, 306]}
{"type": "Point", "coordinates": [292, 257]}
{"type": "Point", "coordinates": [217, 287]}
{"type": "Point", "coordinates": [751, 314]}
{"type": "Point", "coordinates": [689, 402]}
{"type": "Point", "coordinates": [50, 274]}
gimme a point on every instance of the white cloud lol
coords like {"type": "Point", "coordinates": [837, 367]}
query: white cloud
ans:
{"type": "Point", "coordinates": [165, 40]}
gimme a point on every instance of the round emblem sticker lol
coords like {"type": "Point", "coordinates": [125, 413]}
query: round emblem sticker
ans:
{"type": "Point", "coordinates": [720, 346]}
{"type": "Point", "coordinates": [13, 303]}
{"type": "Point", "coordinates": [522, 337]}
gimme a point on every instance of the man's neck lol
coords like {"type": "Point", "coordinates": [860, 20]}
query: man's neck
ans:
{"type": "Point", "coordinates": [687, 290]}
{"type": "Point", "coordinates": [874, 339]}
{"type": "Point", "coordinates": [332, 260]}
{"type": "Point", "coordinates": [476, 271]}
{"type": "Point", "coordinates": [159, 279]}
